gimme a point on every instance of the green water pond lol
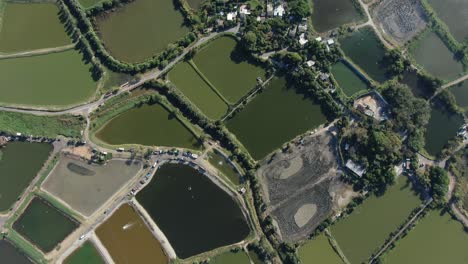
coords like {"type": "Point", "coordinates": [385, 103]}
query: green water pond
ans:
{"type": "Point", "coordinates": [349, 82]}
{"type": "Point", "coordinates": [87, 253]}
{"type": "Point", "coordinates": [318, 250]}
{"type": "Point", "coordinates": [330, 14]}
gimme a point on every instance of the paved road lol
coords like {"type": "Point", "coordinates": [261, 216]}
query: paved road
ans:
{"type": "Point", "coordinates": [85, 109]}
{"type": "Point", "coordinates": [37, 52]}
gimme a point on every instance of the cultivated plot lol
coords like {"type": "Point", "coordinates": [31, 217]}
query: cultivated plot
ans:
{"type": "Point", "coordinates": [434, 56]}
{"type": "Point", "coordinates": [364, 48]}
{"type": "Point", "coordinates": [374, 220]}
{"type": "Point", "coordinates": [150, 125]}
{"type": "Point", "coordinates": [145, 27]}
{"type": "Point", "coordinates": [310, 169]}
{"type": "Point", "coordinates": [29, 26]}
{"type": "Point", "coordinates": [71, 178]}
{"type": "Point", "coordinates": [400, 19]}
{"type": "Point", "coordinates": [57, 79]}
{"type": "Point", "coordinates": [44, 225]}
{"type": "Point", "coordinates": [274, 117]}
{"type": "Point", "coordinates": [19, 164]}
{"type": "Point", "coordinates": [330, 14]}
{"type": "Point", "coordinates": [437, 238]}
{"type": "Point", "coordinates": [128, 239]}
{"type": "Point", "coordinates": [197, 90]}
{"type": "Point", "coordinates": [229, 68]}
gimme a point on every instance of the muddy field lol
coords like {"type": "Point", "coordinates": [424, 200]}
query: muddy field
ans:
{"type": "Point", "coordinates": [400, 19]}
{"type": "Point", "coordinates": [72, 178]}
{"type": "Point", "coordinates": [302, 186]}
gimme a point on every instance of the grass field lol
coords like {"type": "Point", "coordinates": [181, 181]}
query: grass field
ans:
{"type": "Point", "coordinates": [44, 225]}
{"type": "Point", "coordinates": [41, 126]}
{"type": "Point", "coordinates": [57, 79]}
{"type": "Point", "coordinates": [87, 253]}
{"type": "Point", "coordinates": [29, 26]}
{"type": "Point", "coordinates": [374, 220]}
{"type": "Point", "coordinates": [145, 27]}
{"type": "Point", "coordinates": [68, 182]}
{"type": "Point", "coordinates": [198, 91]}
{"type": "Point", "coordinates": [228, 68]}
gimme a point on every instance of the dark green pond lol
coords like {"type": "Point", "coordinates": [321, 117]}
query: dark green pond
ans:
{"type": "Point", "coordinates": [150, 125]}
{"type": "Point", "coordinates": [454, 13]}
{"type": "Point", "coordinates": [365, 49]}
{"type": "Point", "coordinates": [435, 57]}
{"type": "Point", "coordinates": [44, 225]}
{"type": "Point", "coordinates": [442, 127]}
{"type": "Point", "coordinates": [330, 14]}
{"type": "Point", "coordinates": [9, 254]}
{"type": "Point", "coordinates": [193, 212]}
{"type": "Point", "coordinates": [460, 91]}
{"type": "Point", "coordinates": [274, 117]}
{"type": "Point", "coordinates": [416, 85]}
{"type": "Point", "coordinates": [349, 82]}
{"type": "Point", "coordinates": [19, 164]}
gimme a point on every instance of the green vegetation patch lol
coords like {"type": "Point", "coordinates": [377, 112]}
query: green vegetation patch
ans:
{"type": "Point", "coordinates": [372, 222]}
{"type": "Point", "coordinates": [44, 225]}
{"type": "Point", "coordinates": [330, 14]}
{"type": "Point", "coordinates": [435, 57]}
{"type": "Point", "coordinates": [348, 81]}
{"type": "Point", "coordinates": [274, 117]}
{"type": "Point", "coordinates": [437, 238]}
{"type": "Point", "coordinates": [229, 68]}
{"type": "Point", "coordinates": [460, 91]}
{"type": "Point", "coordinates": [318, 250]}
{"type": "Point", "coordinates": [87, 253]}
{"type": "Point", "coordinates": [19, 164]}
{"type": "Point", "coordinates": [41, 126]}
{"type": "Point", "coordinates": [365, 49]}
{"type": "Point", "coordinates": [224, 167]}
{"type": "Point", "coordinates": [145, 27]}
{"type": "Point", "coordinates": [239, 257]}
{"type": "Point", "coordinates": [198, 91]}
{"type": "Point", "coordinates": [195, 4]}
{"type": "Point", "coordinates": [443, 126]}
{"type": "Point", "coordinates": [57, 79]}
{"type": "Point", "coordinates": [453, 14]}
{"type": "Point", "coordinates": [150, 125]}
{"type": "Point", "coordinates": [27, 26]}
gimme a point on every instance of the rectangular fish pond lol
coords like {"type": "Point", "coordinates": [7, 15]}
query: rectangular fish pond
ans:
{"type": "Point", "coordinates": [200, 215]}
{"type": "Point", "coordinates": [454, 14]}
{"type": "Point", "coordinates": [11, 254]}
{"type": "Point", "coordinates": [44, 225]}
{"type": "Point", "coordinates": [318, 250]}
{"type": "Point", "coordinates": [460, 91]}
{"type": "Point", "coordinates": [128, 239]}
{"type": "Point", "coordinates": [273, 117]}
{"type": "Point", "coordinates": [87, 253]}
{"type": "Point", "coordinates": [349, 81]}
{"type": "Point", "coordinates": [330, 14]}
{"type": "Point", "coordinates": [150, 125]}
{"type": "Point", "coordinates": [436, 238]}
{"type": "Point", "coordinates": [19, 164]}
{"type": "Point", "coordinates": [373, 221]}
{"type": "Point", "coordinates": [145, 28]}
{"type": "Point", "coordinates": [364, 48]}
{"type": "Point", "coordinates": [29, 26]}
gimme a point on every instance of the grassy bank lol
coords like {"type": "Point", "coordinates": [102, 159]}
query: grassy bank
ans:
{"type": "Point", "coordinates": [41, 126]}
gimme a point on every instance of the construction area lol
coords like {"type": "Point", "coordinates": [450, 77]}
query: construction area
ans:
{"type": "Point", "coordinates": [401, 20]}
{"type": "Point", "coordinates": [302, 184]}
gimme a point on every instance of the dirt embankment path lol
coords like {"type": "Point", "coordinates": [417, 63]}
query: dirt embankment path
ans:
{"type": "Point", "coordinates": [36, 52]}
{"type": "Point", "coordinates": [371, 23]}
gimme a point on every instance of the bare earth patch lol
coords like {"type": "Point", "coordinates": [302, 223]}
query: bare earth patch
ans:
{"type": "Point", "coordinates": [302, 186]}
{"type": "Point", "coordinates": [400, 19]}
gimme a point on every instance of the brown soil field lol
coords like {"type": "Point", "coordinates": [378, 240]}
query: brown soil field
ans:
{"type": "Point", "coordinates": [302, 186]}
{"type": "Point", "coordinates": [71, 178]}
